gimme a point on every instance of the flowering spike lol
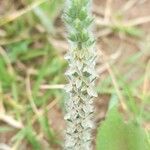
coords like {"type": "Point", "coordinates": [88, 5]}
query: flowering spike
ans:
{"type": "Point", "coordinates": [81, 75]}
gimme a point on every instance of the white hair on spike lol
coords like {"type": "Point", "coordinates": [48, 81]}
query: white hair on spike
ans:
{"type": "Point", "coordinates": [81, 75]}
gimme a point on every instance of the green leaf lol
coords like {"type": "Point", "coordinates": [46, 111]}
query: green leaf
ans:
{"type": "Point", "coordinates": [15, 50]}
{"type": "Point", "coordinates": [132, 31]}
{"type": "Point", "coordinates": [113, 101]}
{"type": "Point", "coordinates": [48, 12]}
{"type": "Point", "coordinates": [29, 134]}
{"type": "Point", "coordinates": [5, 78]}
{"type": "Point", "coordinates": [4, 129]}
{"type": "Point", "coordinates": [32, 138]}
{"type": "Point", "coordinates": [46, 127]}
{"type": "Point", "coordinates": [115, 134]}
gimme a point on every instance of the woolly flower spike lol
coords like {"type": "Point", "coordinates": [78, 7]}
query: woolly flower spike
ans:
{"type": "Point", "coordinates": [81, 75]}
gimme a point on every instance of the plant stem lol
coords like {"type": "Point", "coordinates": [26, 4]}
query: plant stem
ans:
{"type": "Point", "coordinates": [81, 75]}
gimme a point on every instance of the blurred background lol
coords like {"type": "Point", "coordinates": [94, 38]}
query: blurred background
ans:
{"type": "Point", "coordinates": [32, 66]}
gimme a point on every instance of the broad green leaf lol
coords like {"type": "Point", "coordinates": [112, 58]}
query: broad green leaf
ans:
{"type": "Point", "coordinates": [115, 134]}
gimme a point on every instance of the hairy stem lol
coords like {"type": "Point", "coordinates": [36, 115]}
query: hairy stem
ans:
{"type": "Point", "coordinates": [81, 75]}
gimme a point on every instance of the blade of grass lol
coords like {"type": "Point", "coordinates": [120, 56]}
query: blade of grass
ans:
{"type": "Point", "coordinates": [19, 13]}
{"type": "Point", "coordinates": [43, 18]}
{"type": "Point", "coordinates": [114, 81]}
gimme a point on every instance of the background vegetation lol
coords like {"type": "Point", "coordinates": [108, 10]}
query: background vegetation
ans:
{"type": "Point", "coordinates": [32, 47]}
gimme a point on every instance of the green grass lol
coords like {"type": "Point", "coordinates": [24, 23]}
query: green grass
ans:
{"type": "Point", "coordinates": [21, 48]}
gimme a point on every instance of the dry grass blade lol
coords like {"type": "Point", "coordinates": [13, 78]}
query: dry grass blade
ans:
{"type": "Point", "coordinates": [11, 121]}
{"type": "Point", "coordinates": [108, 10]}
{"type": "Point", "coordinates": [114, 81]}
{"type": "Point", "coordinates": [3, 116]}
{"type": "Point", "coordinates": [7, 60]}
{"type": "Point", "coordinates": [29, 94]}
{"type": "Point", "coordinates": [6, 118]}
{"type": "Point", "coordinates": [138, 21]}
{"type": "Point", "coordinates": [129, 5]}
{"type": "Point", "coordinates": [2, 109]}
{"type": "Point", "coordinates": [19, 13]}
{"type": "Point", "coordinates": [55, 86]}
{"type": "Point", "coordinates": [146, 84]}
{"type": "Point", "coordinates": [4, 146]}
{"type": "Point", "coordinates": [129, 23]}
{"type": "Point", "coordinates": [113, 58]}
